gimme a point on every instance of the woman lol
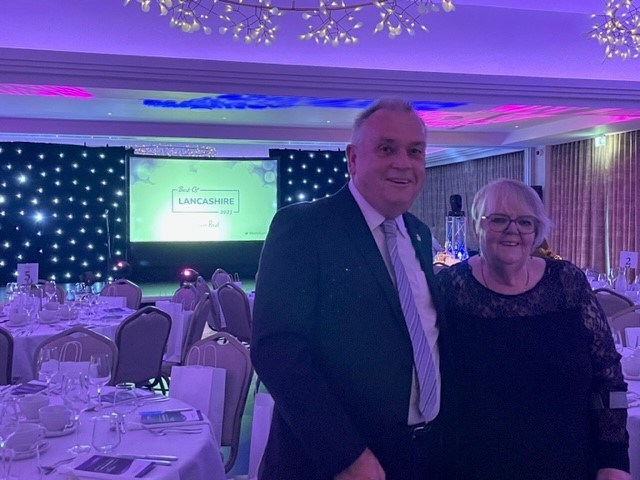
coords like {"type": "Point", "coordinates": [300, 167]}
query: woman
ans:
{"type": "Point", "coordinates": [534, 358]}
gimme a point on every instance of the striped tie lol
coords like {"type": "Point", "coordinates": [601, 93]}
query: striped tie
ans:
{"type": "Point", "coordinates": [425, 369]}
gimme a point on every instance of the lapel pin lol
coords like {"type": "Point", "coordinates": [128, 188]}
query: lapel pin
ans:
{"type": "Point", "coordinates": [418, 237]}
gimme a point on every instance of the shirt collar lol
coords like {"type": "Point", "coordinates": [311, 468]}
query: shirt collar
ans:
{"type": "Point", "coordinates": [371, 215]}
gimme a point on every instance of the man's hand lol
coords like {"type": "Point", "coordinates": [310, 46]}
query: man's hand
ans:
{"type": "Point", "coordinates": [365, 467]}
{"type": "Point", "coordinates": [612, 474]}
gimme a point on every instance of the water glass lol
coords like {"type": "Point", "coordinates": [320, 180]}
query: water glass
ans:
{"type": "Point", "coordinates": [106, 433]}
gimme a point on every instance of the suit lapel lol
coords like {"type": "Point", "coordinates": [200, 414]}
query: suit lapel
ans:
{"type": "Point", "coordinates": [360, 237]}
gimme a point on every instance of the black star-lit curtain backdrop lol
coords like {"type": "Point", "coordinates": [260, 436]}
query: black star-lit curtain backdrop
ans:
{"type": "Point", "coordinates": [63, 207]}
{"type": "Point", "coordinates": [309, 175]}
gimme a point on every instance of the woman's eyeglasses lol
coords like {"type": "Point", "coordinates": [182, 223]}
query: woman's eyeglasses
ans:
{"type": "Point", "coordinates": [499, 222]}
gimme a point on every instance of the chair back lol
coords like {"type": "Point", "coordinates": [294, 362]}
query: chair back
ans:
{"type": "Point", "coordinates": [214, 320]}
{"type": "Point", "coordinates": [195, 328]}
{"type": "Point", "coordinates": [234, 305]}
{"type": "Point", "coordinates": [201, 287]}
{"type": "Point", "coordinates": [141, 340]}
{"type": "Point", "coordinates": [124, 288]}
{"type": "Point", "coordinates": [611, 301]}
{"type": "Point", "coordinates": [625, 318]}
{"type": "Point", "coordinates": [77, 344]}
{"type": "Point", "coordinates": [220, 277]}
{"type": "Point", "coordinates": [223, 351]}
{"type": "Point", "coordinates": [186, 295]}
{"type": "Point", "coordinates": [6, 356]}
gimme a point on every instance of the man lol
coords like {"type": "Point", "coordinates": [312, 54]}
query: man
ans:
{"type": "Point", "coordinates": [330, 340]}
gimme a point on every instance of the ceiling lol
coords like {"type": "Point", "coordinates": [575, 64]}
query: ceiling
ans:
{"type": "Point", "coordinates": [492, 76]}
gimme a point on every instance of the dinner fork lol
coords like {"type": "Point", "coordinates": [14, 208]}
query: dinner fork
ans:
{"type": "Point", "coordinates": [47, 469]}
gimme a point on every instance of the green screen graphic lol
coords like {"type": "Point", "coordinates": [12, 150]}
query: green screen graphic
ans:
{"type": "Point", "coordinates": [192, 200]}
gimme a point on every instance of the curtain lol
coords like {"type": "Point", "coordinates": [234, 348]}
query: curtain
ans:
{"type": "Point", "coordinates": [593, 199]}
{"type": "Point", "coordinates": [465, 179]}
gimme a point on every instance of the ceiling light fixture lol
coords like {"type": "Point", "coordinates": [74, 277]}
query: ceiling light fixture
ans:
{"type": "Point", "coordinates": [331, 22]}
{"type": "Point", "coordinates": [618, 28]}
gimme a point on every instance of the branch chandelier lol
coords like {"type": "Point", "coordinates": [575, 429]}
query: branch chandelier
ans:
{"type": "Point", "coordinates": [618, 28]}
{"type": "Point", "coordinates": [331, 22]}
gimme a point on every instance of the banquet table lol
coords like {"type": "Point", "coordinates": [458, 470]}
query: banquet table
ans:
{"type": "Point", "coordinates": [28, 337]}
{"type": "Point", "coordinates": [197, 454]}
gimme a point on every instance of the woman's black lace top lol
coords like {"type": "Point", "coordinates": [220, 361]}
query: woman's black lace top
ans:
{"type": "Point", "coordinates": [563, 293]}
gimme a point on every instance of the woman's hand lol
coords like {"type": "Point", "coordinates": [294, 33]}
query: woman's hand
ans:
{"type": "Point", "coordinates": [365, 467]}
{"type": "Point", "coordinates": [612, 474]}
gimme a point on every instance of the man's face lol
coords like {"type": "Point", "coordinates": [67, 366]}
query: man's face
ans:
{"type": "Point", "coordinates": [386, 161]}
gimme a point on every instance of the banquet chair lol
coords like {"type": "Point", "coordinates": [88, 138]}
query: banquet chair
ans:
{"type": "Point", "coordinates": [220, 277]}
{"type": "Point", "coordinates": [77, 344]}
{"type": "Point", "coordinates": [186, 295]}
{"type": "Point", "coordinates": [124, 288]}
{"type": "Point", "coordinates": [194, 331]}
{"type": "Point", "coordinates": [201, 287]}
{"type": "Point", "coordinates": [611, 301]}
{"type": "Point", "coordinates": [214, 320]}
{"type": "Point", "coordinates": [141, 340]}
{"type": "Point", "coordinates": [6, 356]}
{"type": "Point", "coordinates": [622, 319]}
{"type": "Point", "coordinates": [234, 305]}
{"type": "Point", "coordinates": [222, 350]}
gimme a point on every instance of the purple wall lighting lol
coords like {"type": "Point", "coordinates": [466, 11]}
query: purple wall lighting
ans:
{"type": "Point", "coordinates": [43, 90]}
{"type": "Point", "coordinates": [516, 113]}
{"type": "Point", "coordinates": [261, 102]}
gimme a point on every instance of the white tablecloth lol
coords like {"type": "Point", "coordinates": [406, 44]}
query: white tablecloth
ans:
{"type": "Point", "coordinates": [27, 338]}
{"type": "Point", "coordinates": [198, 456]}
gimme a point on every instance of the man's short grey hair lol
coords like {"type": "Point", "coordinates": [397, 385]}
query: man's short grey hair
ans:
{"type": "Point", "coordinates": [516, 194]}
{"type": "Point", "coordinates": [384, 103]}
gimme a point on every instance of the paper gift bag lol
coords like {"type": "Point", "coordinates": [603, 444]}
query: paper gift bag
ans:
{"type": "Point", "coordinates": [179, 322]}
{"type": "Point", "coordinates": [203, 388]}
{"type": "Point", "coordinates": [260, 426]}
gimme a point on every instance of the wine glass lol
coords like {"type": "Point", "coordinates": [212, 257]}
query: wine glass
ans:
{"type": "Point", "coordinates": [100, 365]}
{"type": "Point", "coordinates": [50, 290]}
{"type": "Point", "coordinates": [48, 364]}
{"type": "Point", "coordinates": [602, 280]}
{"type": "Point", "coordinates": [76, 398]}
{"type": "Point", "coordinates": [8, 427]}
{"type": "Point", "coordinates": [30, 303]}
{"type": "Point", "coordinates": [591, 275]}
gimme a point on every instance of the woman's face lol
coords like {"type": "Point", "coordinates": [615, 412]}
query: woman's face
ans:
{"type": "Point", "coordinates": [508, 246]}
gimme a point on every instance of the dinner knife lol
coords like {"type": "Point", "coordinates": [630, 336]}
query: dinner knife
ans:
{"type": "Point", "coordinates": [165, 458]}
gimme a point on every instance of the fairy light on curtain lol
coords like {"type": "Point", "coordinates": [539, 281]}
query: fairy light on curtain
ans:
{"type": "Point", "coordinates": [309, 175]}
{"type": "Point", "coordinates": [55, 201]}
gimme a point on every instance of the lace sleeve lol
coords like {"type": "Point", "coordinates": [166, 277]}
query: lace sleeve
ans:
{"type": "Point", "coordinates": [609, 424]}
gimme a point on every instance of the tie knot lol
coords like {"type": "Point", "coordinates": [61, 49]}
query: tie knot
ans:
{"type": "Point", "coordinates": [389, 227]}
